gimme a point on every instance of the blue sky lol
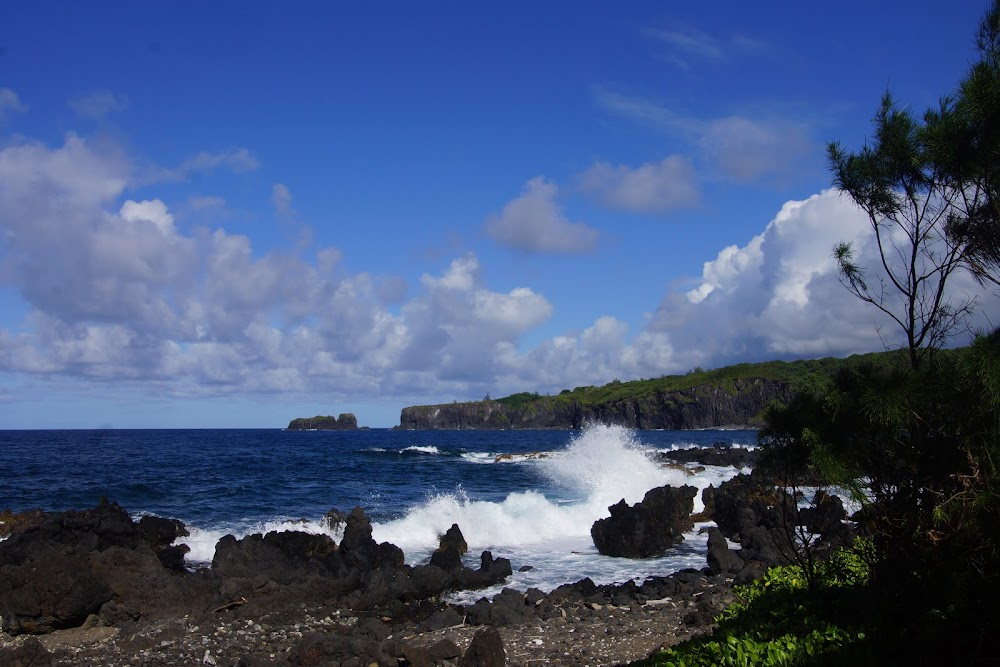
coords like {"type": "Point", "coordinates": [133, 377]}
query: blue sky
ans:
{"type": "Point", "coordinates": [232, 214]}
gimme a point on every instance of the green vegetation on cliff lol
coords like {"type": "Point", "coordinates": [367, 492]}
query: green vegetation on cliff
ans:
{"type": "Point", "coordinates": [733, 395]}
{"type": "Point", "coordinates": [798, 375]}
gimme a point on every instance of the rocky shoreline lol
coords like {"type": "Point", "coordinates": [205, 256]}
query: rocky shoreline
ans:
{"type": "Point", "coordinates": [97, 588]}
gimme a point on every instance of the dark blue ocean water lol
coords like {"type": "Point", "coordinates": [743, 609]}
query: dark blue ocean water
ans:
{"type": "Point", "coordinates": [412, 484]}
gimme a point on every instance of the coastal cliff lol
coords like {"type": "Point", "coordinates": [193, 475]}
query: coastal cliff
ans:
{"type": "Point", "coordinates": [738, 401]}
{"type": "Point", "coordinates": [346, 421]}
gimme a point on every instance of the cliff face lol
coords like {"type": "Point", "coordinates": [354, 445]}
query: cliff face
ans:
{"type": "Point", "coordinates": [320, 423]}
{"type": "Point", "coordinates": [705, 406]}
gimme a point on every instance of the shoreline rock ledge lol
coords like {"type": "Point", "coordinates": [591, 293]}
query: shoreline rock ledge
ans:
{"type": "Point", "coordinates": [345, 422]}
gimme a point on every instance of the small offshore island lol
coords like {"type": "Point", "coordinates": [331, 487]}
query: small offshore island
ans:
{"type": "Point", "coordinates": [345, 422]}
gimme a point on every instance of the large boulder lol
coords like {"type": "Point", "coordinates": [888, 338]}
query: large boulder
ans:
{"type": "Point", "coordinates": [826, 514]}
{"type": "Point", "coordinates": [650, 527]}
{"type": "Point", "coordinates": [161, 534]}
{"type": "Point", "coordinates": [451, 547]}
{"type": "Point", "coordinates": [53, 587]}
{"type": "Point", "coordinates": [358, 548]}
{"type": "Point", "coordinates": [721, 559]}
{"type": "Point", "coordinates": [284, 557]}
{"type": "Point", "coordinates": [486, 650]}
{"type": "Point", "coordinates": [55, 574]}
{"type": "Point", "coordinates": [743, 502]}
{"type": "Point", "coordinates": [430, 581]}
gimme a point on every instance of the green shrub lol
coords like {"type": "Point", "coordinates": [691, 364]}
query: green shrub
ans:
{"type": "Point", "coordinates": [778, 620]}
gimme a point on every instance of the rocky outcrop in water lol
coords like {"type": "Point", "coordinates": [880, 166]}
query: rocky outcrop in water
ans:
{"type": "Point", "coordinates": [345, 422]}
{"type": "Point", "coordinates": [738, 402]}
{"type": "Point", "coordinates": [720, 454]}
{"type": "Point", "coordinates": [766, 519]}
{"type": "Point", "coordinates": [648, 528]}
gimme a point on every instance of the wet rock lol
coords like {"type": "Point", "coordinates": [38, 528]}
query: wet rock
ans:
{"type": "Point", "coordinates": [486, 650]}
{"type": "Point", "coordinates": [825, 516]}
{"type": "Point", "coordinates": [428, 581]}
{"type": "Point", "coordinates": [495, 569]}
{"type": "Point", "coordinates": [650, 527]}
{"type": "Point", "coordinates": [335, 519]}
{"type": "Point", "coordinates": [721, 558]}
{"type": "Point", "coordinates": [11, 522]}
{"type": "Point", "coordinates": [96, 529]}
{"type": "Point", "coordinates": [172, 557]}
{"type": "Point", "coordinates": [720, 454]}
{"type": "Point", "coordinates": [361, 551]}
{"type": "Point", "coordinates": [581, 589]}
{"type": "Point", "coordinates": [160, 532]}
{"type": "Point", "coordinates": [452, 546]}
{"type": "Point", "coordinates": [708, 501]}
{"type": "Point", "coordinates": [742, 503]}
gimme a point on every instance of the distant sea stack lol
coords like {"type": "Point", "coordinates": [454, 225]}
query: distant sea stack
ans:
{"type": "Point", "coordinates": [345, 422]}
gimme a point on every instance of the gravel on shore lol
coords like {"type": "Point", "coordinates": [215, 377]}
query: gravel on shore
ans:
{"type": "Point", "coordinates": [584, 633]}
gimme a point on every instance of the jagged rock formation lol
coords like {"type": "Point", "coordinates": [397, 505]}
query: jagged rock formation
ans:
{"type": "Point", "coordinates": [648, 528]}
{"type": "Point", "coordinates": [738, 402]}
{"type": "Point", "coordinates": [345, 421]}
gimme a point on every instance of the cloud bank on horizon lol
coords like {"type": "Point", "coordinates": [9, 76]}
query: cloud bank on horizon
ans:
{"type": "Point", "coordinates": [140, 274]}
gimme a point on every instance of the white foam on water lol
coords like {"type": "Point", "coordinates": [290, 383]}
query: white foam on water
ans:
{"type": "Point", "coordinates": [508, 458]}
{"type": "Point", "coordinates": [548, 531]}
{"type": "Point", "coordinates": [601, 466]}
{"type": "Point", "coordinates": [479, 457]}
{"type": "Point", "coordinates": [202, 541]}
{"type": "Point", "coordinates": [568, 560]}
{"type": "Point", "coordinates": [421, 449]}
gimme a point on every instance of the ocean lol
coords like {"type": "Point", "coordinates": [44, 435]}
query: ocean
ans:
{"type": "Point", "coordinates": [530, 496]}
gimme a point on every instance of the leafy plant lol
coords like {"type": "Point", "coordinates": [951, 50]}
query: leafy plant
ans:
{"type": "Point", "coordinates": [779, 621]}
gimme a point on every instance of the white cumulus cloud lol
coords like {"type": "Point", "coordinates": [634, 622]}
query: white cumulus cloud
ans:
{"type": "Point", "coordinates": [534, 222]}
{"type": "Point", "coordinates": [653, 187]}
{"type": "Point", "coordinates": [118, 295]}
{"type": "Point", "coordinates": [779, 296]}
